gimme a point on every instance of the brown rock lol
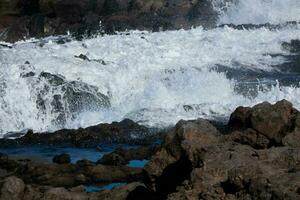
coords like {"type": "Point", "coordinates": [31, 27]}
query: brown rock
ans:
{"type": "Point", "coordinates": [188, 138]}
{"type": "Point", "coordinates": [183, 149]}
{"type": "Point", "coordinates": [119, 193]}
{"type": "Point", "coordinates": [63, 194]}
{"type": "Point", "coordinates": [239, 165]}
{"type": "Point", "coordinates": [272, 121]}
{"type": "Point", "coordinates": [122, 156]}
{"type": "Point", "coordinates": [32, 193]}
{"type": "Point", "coordinates": [51, 174]}
{"type": "Point", "coordinates": [12, 189]}
{"type": "Point", "coordinates": [240, 118]}
{"type": "Point", "coordinates": [62, 159]}
{"type": "Point", "coordinates": [55, 17]}
{"type": "Point", "coordinates": [102, 173]}
{"type": "Point", "coordinates": [292, 139]}
{"type": "Point", "coordinates": [113, 159]}
{"type": "Point", "coordinates": [250, 137]}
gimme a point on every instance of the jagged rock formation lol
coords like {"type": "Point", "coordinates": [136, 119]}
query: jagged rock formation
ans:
{"type": "Point", "coordinates": [38, 18]}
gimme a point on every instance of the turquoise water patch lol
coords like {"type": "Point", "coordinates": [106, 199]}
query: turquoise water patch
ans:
{"type": "Point", "coordinates": [93, 188]}
{"type": "Point", "coordinates": [137, 163]}
{"type": "Point", "coordinates": [49, 152]}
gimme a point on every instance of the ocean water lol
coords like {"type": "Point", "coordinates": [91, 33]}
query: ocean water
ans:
{"type": "Point", "coordinates": [157, 78]}
{"type": "Point", "coordinates": [93, 188]}
{"type": "Point", "coordinates": [138, 163]}
{"type": "Point", "coordinates": [47, 153]}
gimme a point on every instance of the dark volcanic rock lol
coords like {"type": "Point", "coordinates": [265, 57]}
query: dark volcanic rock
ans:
{"type": "Point", "coordinates": [292, 139]}
{"type": "Point", "coordinates": [67, 98]}
{"type": "Point", "coordinates": [12, 189]}
{"type": "Point", "coordinates": [124, 132]}
{"type": "Point", "coordinates": [113, 159]}
{"type": "Point", "coordinates": [66, 175]}
{"type": "Point", "coordinates": [39, 18]}
{"type": "Point", "coordinates": [123, 156]}
{"type": "Point", "coordinates": [272, 121]}
{"type": "Point", "coordinates": [293, 46]}
{"type": "Point", "coordinates": [62, 159]}
{"type": "Point", "coordinates": [196, 162]}
{"type": "Point", "coordinates": [293, 60]}
{"type": "Point", "coordinates": [182, 151]}
{"type": "Point", "coordinates": [251, 138]}
{"type": "Point", "coordinates": [120, 193]}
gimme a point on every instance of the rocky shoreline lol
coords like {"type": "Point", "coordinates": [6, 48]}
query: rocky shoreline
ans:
{"type": "Point", "coordinates": [21, 19]}
{"type": "Point", "coordinates": [257, 157]}
{"type": "Point", "coordinates": [124, 132]}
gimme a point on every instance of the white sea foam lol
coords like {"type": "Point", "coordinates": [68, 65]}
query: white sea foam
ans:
{"type": "Point", "coordinates": [257, 11]}
{"type": "Point", "coordinates": [153, 78]}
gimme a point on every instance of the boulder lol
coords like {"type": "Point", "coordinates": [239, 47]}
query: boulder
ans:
{"type": "Point", "coordinates": [113, 159]}
{"type": "Point", "coordinates": [67, 98]}
{"type": "Point", "coordinates": [182, 150]}
{"type": "Point", "coordinates": [240, 118]}
{"type": "Point", "coordinates": [122, 156]}
{"type": "Point", "coordinates": [272, 121]}
{"type": "Point", "coordinates": [12, 189]}
{"type": "Point", "coordinates": [62, 159]}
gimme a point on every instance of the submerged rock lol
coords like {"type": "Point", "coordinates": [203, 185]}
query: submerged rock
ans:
{"type": "Point", "coordinates": [293, 59]}
{"type": "Point", "coordinates": [293, 46]}
{"type": "Point", "coordinates": [65, 98]}
{"type": "Point", "coordinates": [123, 156]}
{"type": "Point", "coordinates": [62, 159]}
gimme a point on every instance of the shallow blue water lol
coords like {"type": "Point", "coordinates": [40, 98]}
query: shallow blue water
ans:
{"type": "Point", "coordinates": [76, 154]}
{"type": "Point", "coordinates": [137, 163]}
{"type": "Point", "coordinates": [49, 152]}
{"type": "Point", "coordinates": [93, 188]}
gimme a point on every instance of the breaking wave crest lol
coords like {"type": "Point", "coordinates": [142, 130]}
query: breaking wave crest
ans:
{"type": "Point", "coordinates": [153, 78]}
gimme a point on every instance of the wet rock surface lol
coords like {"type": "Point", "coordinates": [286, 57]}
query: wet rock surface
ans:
{"type": "Point", "coordinates": [62, 159]}
{"type": "Point", "coordinates": [122, 156]}
{"type": "Point", "coordinates": [44, 180]}
{"type": "Point", "coordinates": [65, 98]}
{"type": "Point", "coordinates": [257, 158]}
{"type": "Point", "coordinates": [253, 161]}
{"type": "Point", "coordinates": [39, 18]}
{"type": "Point", "coordinates": [124, 132]}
